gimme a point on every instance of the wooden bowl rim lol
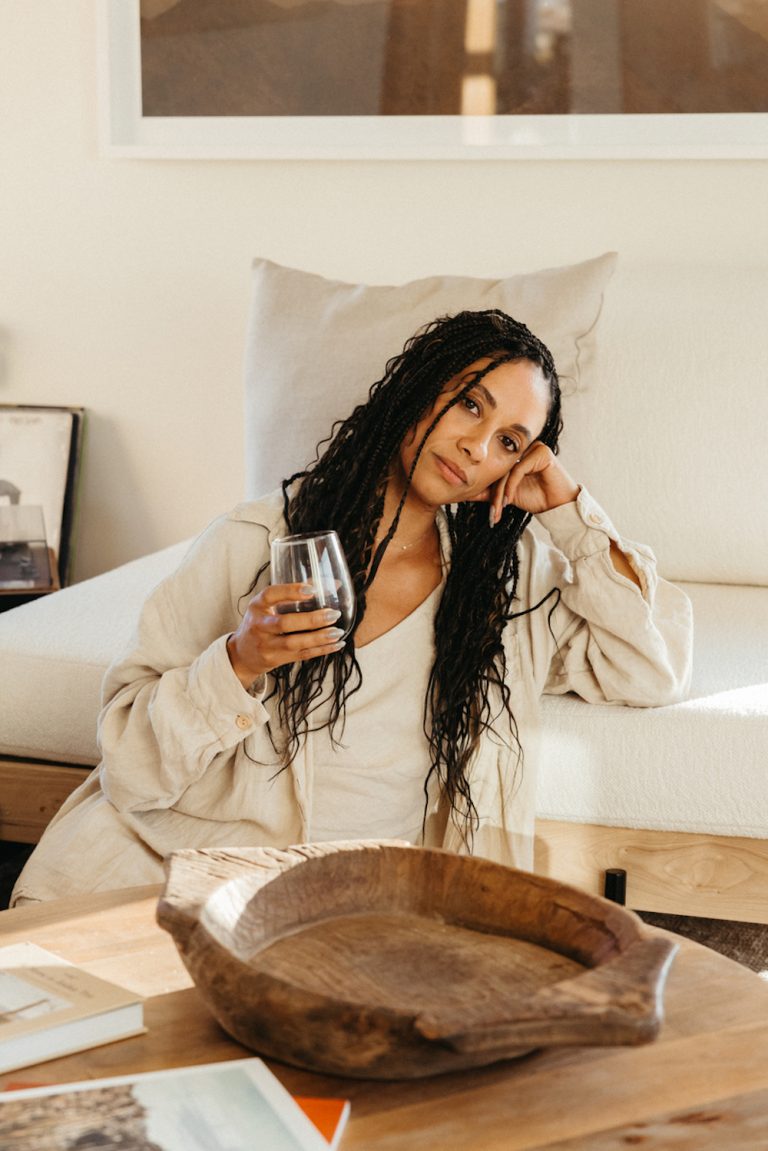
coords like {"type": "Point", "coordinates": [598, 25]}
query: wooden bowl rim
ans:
{"type": "Point", "coordinates": [618, 999]}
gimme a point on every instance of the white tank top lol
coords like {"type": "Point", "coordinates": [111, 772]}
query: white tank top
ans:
{"type": "Point", "coordinates": [372, 786]}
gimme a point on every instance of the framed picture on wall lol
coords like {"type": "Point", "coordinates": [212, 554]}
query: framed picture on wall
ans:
{"type": "Point", "coordinates": [434, 79]}
{"type": "Point", "coordinates": [40, 450]}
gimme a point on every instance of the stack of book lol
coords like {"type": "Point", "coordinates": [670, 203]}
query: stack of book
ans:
{"type": "Point", "coordinates": [50, 1008]}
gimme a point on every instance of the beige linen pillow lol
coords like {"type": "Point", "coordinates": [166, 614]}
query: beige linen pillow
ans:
{"type": "Point", "coordinates": [315, 345]}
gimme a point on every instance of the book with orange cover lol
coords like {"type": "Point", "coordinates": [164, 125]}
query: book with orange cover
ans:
{"type": "Point", "coordinates": [234, 1105]}
{"type": "Point", "coordinates": [328, 1115]}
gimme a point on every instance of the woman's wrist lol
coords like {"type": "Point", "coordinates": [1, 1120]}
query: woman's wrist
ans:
{"type": "Point", "coordinates": [249, 676]}
{"type": "Point", "coordinates": [568, 493]}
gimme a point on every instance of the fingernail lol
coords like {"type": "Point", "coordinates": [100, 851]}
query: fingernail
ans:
{"type": "Point", "coordinates": [306, 589]}
{"type": "Point", "coordinates": [492, 516]}
{"type": "Point", "coordinates": [330, 615]}
{"type": "Point", "coordinates": [335, 633]}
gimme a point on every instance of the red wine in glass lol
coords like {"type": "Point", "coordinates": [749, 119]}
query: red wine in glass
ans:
{"type": "Point", "coordinates": [316, 559]}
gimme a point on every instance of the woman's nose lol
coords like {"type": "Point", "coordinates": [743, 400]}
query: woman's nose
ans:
{"type": "Point", "coordinates": [474, 446]}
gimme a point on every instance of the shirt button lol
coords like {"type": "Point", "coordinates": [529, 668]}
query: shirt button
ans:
{"type": "Point", "coordinates": [594, 518]}
{"type": "Point", "coordinates": [243, 722]}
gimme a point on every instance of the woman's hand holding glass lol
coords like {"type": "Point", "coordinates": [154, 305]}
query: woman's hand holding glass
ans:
{"type": "Point", "coordinates": [268, 638]}
{"type": "Point", "coordinates": [305, 612]}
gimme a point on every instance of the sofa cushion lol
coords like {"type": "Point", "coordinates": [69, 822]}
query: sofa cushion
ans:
{"type": "Point", "coordinates": [54, 652]}
{"type": "Point", "coordinates": [315, 346]}
{"type": "Point", "coordinates": [696, 766]}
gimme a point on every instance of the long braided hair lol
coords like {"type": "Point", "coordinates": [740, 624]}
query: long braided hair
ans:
{"type": "Point", "coordinates": [344, 488]}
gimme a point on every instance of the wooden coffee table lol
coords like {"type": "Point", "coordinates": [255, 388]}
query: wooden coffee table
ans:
{"type": "Point", "coordinates": [702, 1085]}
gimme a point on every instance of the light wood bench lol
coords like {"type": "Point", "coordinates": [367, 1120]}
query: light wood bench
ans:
{"type": "Point", "coordinates": [30, 795]}
{"type": "Point", "coordinates": [667, 872]}
{"type": "Point", "coordinates": [670, 872]}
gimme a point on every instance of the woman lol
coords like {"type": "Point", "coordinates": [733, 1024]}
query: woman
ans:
{"type": "Point", "coordinates": [230, 723]}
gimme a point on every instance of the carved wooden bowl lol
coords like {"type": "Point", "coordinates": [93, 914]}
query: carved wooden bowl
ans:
{"type": "Point", "coordinates": [382, 961]}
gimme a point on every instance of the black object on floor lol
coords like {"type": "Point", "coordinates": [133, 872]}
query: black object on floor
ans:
{"type": "Point", "coordinates": [13, 856]}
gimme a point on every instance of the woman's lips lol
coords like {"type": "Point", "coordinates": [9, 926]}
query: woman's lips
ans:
{"type": "Point", "coordinates": [451, 472]}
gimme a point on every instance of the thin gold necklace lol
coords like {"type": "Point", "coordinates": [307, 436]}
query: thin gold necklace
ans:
{"type": "Point", "coordinates": [412, 543]}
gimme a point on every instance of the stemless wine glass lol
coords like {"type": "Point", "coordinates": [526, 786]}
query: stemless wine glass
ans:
{"type": "Point", "coordinates": [316, 559]}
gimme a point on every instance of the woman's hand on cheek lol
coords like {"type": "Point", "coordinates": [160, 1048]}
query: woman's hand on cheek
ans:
{"type": "Point", "coordinates": [537, 482]}
{"type": "Point", "coordinates": [494, 496]}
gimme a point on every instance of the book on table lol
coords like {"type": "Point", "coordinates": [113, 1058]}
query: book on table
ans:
{"type": "Point", "coordinates": [231, 1106]}
{"type": "Point", "coordinates": [49, 1008]}
{"type": "Point", "coordinates": [328, 1115]}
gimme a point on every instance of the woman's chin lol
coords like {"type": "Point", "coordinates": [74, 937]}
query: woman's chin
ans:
{"type": "Point", "coordinates": [469, 498]}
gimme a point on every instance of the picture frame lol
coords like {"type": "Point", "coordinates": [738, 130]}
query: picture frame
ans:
{"type": "Point", "coordinates": [40, 459]}
{"type": "Point", "coordinates": [125, 132]}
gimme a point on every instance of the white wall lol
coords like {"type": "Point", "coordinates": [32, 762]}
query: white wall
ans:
{"type": "Point", "coordinates": [124, 283]}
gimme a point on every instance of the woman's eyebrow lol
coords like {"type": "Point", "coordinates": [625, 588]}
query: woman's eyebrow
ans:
{"type": "Point", "coordinates": [491, 401]}
{"type": "Point", "coordinates": [523, 430]}
{"type": "Point", "coordinates": [487, 396]}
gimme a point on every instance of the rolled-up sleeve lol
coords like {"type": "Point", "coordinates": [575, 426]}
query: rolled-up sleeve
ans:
{"type": "Point", "coordinates": [172, 705]}
{"type": "Point", "coordinates": [598, 634]}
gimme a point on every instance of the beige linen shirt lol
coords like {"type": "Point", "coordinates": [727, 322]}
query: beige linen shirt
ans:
{"type": "Point", "coordinates": [187, 756]}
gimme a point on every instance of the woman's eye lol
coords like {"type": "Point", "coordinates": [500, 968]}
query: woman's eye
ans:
{"type": "Point", "coordinates": [470, 404]}
{"type": "Point", "coordinates": [509, 444]}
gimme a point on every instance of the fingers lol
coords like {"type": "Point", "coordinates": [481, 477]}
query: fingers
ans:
{"type": "Point", "coordinates": [291, 607]}
{"type": "Point", "coordinates": [254, 649]}
{"type": "Point", "coordinates": [291, 619]}
{"type": "Point", "coordinates": [318, 648]}
{"type": "Point", "coordinates": [281, 626]}
{"type": "Point", "coordinates": [286, 636]}
{"type": "Point", "coordinates": [531, 461]}
{"type": "Point", "coordinates": [538, 482]}
{"type": "Point", "coordinates": [536, 458]}
{"type": "Point", "coordinates": [497, 500]}
{"type": "Point", "coordinates": [502, 493]}
{"type": "Point", "coordinates": [289, 593]}
{"type": "Point", "coordinates": [291, 632]}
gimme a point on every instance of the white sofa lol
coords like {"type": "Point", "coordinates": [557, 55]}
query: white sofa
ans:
{"type": "Point", "coordinates": [665, 378]}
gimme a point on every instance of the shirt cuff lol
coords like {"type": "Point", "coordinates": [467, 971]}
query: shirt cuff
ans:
{"type": "Point", "coordinates": [580, 528]}
{"type": "Point", "coordinates": [217, 692]}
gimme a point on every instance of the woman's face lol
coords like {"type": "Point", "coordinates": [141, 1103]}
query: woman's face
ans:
{"type": "Point", "coordinates": [479, 439]}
